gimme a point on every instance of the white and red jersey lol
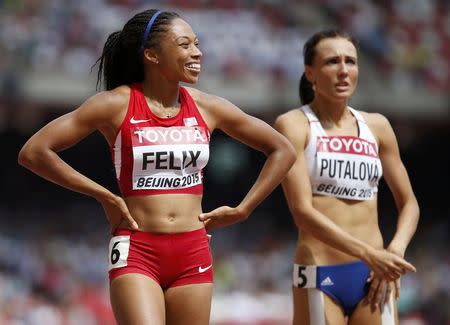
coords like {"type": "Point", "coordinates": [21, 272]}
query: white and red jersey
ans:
{"type": "Point", "coordinates": [155, 155]}
{"type": "Point", "coordinates": [346, 167]}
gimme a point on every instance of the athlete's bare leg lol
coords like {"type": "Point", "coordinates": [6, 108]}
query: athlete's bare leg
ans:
{"type": "Point", "coordinates": [313, 307]}
{"type": "Point", "coordinates": [363, 314]}
{"type": "Point", "coordinates": [137, 299]}
{"type": "Point", "coordinates": [189, 304]}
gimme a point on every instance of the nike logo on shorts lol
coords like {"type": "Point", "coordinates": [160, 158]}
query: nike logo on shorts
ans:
{"type": "Point", "coordinates": [201, 269]}
{"type": "Point", "coordinates": [133, 121]}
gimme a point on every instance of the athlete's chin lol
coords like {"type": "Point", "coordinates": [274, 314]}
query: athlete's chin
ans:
{"type": "Point", "coordinates": [338, 99]}
{"type": "Point", "coordinates": [191, 80]}
{"type": "Point", "coordinates": [343, 95]}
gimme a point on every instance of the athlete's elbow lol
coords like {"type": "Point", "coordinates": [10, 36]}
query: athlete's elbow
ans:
{"type": "Point", "coordinates": [301, 216]}
{"type": "Point", "coordinates": [412, 206]}
{"type": "Point", "coordinates": [291, 155]}
{"type": "Point", "coordinates": [286, 154]}
{"type": "Point", "coordinates": [24, 159]}
{"type": "Point", "coordinates": [28, 156]}
{"type": "Point", "coordinates": [416, 209]}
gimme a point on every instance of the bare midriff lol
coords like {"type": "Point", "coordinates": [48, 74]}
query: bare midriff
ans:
{"type": "Point", "coordinates": [165, 213]}
{"type": "Point", "coordinates": [357, 218]}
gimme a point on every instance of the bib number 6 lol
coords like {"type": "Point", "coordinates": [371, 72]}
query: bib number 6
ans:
{"type": "Point", "coordinates": [119, 247]}
{"type": "Point", "coordinates": [115, 253]}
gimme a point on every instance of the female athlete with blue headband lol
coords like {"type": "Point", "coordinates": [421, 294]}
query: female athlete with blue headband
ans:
{"type": "Point", "coordinates": [160, 265]}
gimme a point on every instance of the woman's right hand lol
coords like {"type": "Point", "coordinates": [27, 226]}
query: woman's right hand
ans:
{"type": "Point", "coordinates": [117, 211]}
{"type": "Point", "coordinates": [380, 291]}
{"type": "Point", "coordinates": [387, 265]}
{"type": "Point", "coordinates": [223, 216]}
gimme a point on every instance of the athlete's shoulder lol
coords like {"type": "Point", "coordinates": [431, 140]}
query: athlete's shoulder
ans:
{"type": "Point", "coordinates": [291, 119]}
{"type": "Point", "coordinates": [375, 121]}
{"type": "Point", "coordinates": [294, 126]}
{"type": "Point", "coordinates": [110, 99]}
{"type": "Point", "coordinates": [205, 100]}
{"type": "Point", "coordinates": [194, 92]}
{"type": "Point", "coordinates": [379, 125]}
{"type": "Point", "coordinates": [295, 113]}
{"type": "Point", "coordinates": [117, 96]}
{"type": "Point", "coordinates": [105, 106]}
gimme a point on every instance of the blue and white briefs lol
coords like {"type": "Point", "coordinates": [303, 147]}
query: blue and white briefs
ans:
{"type": "Point", "coordinates": [344, 283]}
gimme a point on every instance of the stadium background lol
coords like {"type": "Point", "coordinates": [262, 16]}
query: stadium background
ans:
{"type": "Point", "coordinates": [53, 254]}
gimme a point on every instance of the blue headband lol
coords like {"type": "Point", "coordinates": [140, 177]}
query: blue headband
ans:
{"type": "Point", "coordinates": [147, 30]}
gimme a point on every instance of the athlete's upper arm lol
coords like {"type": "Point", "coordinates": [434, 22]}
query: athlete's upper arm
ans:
{"type": "Point", "coordinates": [96, 113]}
{"type": "Point", "coordinates": [394, 171]}
{"type": "Point", "coordinates": [296, 185]}
{"type": "Point", "coordinates": [243, 127]}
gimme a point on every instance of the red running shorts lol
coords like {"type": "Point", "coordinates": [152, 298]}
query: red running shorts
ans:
{"type": "Point", "coordinates": [170, 259]}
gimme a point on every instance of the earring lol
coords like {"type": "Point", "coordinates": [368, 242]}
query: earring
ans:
{"type": "Point", "coordinates": [314, 87]}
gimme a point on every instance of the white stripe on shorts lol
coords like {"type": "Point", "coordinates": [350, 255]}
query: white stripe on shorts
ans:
{"type": "Point", "coordinates": [387, 313]}
{"type": "Point", "coordinates": [316, 307]}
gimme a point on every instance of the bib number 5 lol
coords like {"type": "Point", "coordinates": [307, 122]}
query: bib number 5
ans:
{"type": "Point", "coordinates": [302, 279]}
{"type": "Point", "coordinates": [304, 276]}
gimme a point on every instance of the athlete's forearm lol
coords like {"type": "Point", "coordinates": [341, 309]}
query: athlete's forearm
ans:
{"type": "Point", "coordinates": [328, 232]}
{"type": "Point", "coordinates": [406, 226]}
{"type": "Point", "coordinates": [274, 170]}
{"type": "Point", "coordinates": [47, 164]}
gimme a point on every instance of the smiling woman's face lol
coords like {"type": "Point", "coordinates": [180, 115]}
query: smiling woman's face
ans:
{"type": "Point", "coordinates": [179, 54]}
{"type": "Point", "coordinates": [334, 70]}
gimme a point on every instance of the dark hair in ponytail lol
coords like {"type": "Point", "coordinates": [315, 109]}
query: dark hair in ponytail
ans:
{"type": "Point", "coordinates": [121, 60]}
{"type": "Point", "coordinates": [305, 90]}
{"type": "Point", "coordinates": [305, 87]}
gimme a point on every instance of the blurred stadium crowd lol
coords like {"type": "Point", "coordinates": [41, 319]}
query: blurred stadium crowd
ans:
{"type": "Point", "coordinates": [408, 39]}
{"type": "Point", "coordinates": [53, 243]}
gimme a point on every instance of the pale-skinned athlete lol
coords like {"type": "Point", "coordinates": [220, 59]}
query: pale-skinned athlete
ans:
{"type": "Point", "coordinates": [342, 271]}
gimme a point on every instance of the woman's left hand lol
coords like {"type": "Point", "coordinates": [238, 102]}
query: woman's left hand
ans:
{"type": "Point", "coordinates": [222, 216]}
{"type": "Point", "coordinates": [398, 250]}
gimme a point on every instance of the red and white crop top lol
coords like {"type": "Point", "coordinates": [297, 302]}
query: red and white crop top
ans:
{"type": "Point", "coordinates": [154, 155]}
{"type": "Point", "coordinates": [346, 167]}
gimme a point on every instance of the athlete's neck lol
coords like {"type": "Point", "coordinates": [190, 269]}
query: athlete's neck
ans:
{"type": "Point", "coordinates": [161, 91]}
{"type": "Point", "coordinates": [329, 112]}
